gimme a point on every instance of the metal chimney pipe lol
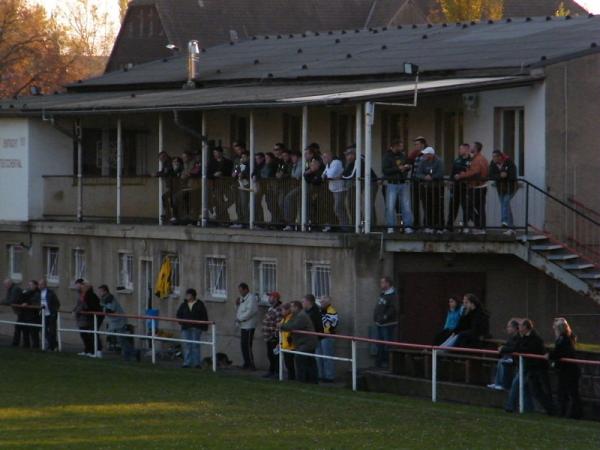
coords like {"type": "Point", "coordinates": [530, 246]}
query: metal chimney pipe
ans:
{"type": "Point", "coordinates": [193, 62]}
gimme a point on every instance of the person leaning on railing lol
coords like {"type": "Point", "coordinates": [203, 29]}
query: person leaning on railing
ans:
{"type": "Point", "coordinates": [87, 303]}
{"type": "Point", "coordinates": [458, 189]}
{"type": "Point", "coordinates": [569, 401]}
{"type": "Point", "coordinates": [50, 306]}
{"type": "Point", "coordinates": [429, 177]}
{"type": "Point", "coordinates": [31, 297]}
{"type": "Point", "coordinates": [116, 324]}
{"type": "Point", "coordinates": [192, 309]}
{"type": "Point", "coordinates": [14, 296]}
{"type": "Point", "coordinates": [270, 331]}
{"type": "Point", "coordinates": [287, 342]}
{"type": "Point", "coordinates": [330, 321]}
{"type": "Point", "coordinates": [504, 366]}
{"type": "Point", "coordinates": [396, 169]}
{"type": "Point", "coordinates": [218, 172]}
{"type": "Point", "coordinates": [476, 176]}
{"type": "Point", "coordinates": [336, 188]}
{"type": "Point", "coordinates": [504, 172]}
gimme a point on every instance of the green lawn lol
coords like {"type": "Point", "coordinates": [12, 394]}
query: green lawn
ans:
{"type": "Point", "coordinates": [67, 402]}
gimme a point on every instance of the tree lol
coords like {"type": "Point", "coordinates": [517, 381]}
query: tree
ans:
{"type": "Point", "coordinates": [467, 10]}
{"type": "Point", "coordinates": [123, 4]}
{"type": "Point", "coordinates": [562, 10]}
{"type": "Point", "coordinates": [50, 51]}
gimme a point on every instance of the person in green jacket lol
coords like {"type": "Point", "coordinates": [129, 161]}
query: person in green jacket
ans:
{"type": "Point", "coordinates": [300, 321]}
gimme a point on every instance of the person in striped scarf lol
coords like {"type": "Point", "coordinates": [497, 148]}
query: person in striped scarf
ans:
{"type": "Point", "coordinates": [330, 319]}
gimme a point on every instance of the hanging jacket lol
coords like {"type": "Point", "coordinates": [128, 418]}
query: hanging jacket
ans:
{"type": "Point", "coordinates": [162, 287]}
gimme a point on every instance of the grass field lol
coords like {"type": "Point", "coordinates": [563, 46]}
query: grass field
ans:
{"type": "Point", "coordinates": [67, 402]}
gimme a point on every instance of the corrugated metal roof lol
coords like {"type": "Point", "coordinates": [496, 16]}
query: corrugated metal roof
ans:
{"type": "Point", "coordinates": [239, 96]}
{"type": "Point", "coordinates": [481, 47]}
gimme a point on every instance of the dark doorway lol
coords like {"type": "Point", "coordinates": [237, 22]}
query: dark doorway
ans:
{"type": "Point", "coordinates": [425, 301]}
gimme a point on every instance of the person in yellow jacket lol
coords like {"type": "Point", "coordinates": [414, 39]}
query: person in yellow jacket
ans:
{"type": "Point", "coordinates": [162, 288]}
{"type": "Point", "coordinates": [287, 343]}
{"type": "Point", "coordinates": [330, 319]}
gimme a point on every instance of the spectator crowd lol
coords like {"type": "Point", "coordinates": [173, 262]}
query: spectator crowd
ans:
{"type": "Point", "coordinates": [415, 188]}
{"type": "Point", "coordinates": [305, 332]}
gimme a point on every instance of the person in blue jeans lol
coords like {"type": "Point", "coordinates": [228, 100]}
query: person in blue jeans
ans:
{"type": "Point", "coordinates": [504, 368]}
{"type": "Point", "coordinates": [504, 172]}
{"type": "Point", "coordinates": [512, 403]}
{"type": "Point", "coordinates": [192, 309]}
{"type": "Point", "coordinates": [330, 319]}
{"type": "Point", "coordinates": [385, 317]}
{"type": "Point", "coordinates": [395, 169]}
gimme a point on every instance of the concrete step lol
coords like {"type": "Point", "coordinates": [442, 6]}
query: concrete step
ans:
{"type": "Point", "coordinates": [578, 266]}
{"type": "Point", "coordinates": [534, 237]}
{"type": "Point", "coordinates": [588, 276]}
{"type": "Point", "coordinates": [546, 247]}
{"type": "Point", "coordinates": [562, 257]}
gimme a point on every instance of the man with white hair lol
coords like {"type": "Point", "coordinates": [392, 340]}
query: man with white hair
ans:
{"type": "Point", "coordinates": [14, 295]}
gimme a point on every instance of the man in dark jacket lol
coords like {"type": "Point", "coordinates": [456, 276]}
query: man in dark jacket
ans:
{"type": "Point", "coordinates": [504, 172]}
{"type": "Point", "coordinates": [535, 370]}
{"type": "Point", "coordinates": [386, 319]}
{"type": "Point", "coordinates": [458, 190]}
{"type": "Point", "coordinates": [218, 173]}
{"type": "Point", "coordinates": [313, 311]}
{"type": "Point", "coordinates": [474, 323]}
{"type": "Point", "coordinates": [31, 315]}
{"type": "Point", "coordinates": [192, 309]}
{"type": "Point", "coordinates": [504, 367]}
{"type": "Point", "coordinates": [396, 168]}
{"type": "Point", "coordinates": [301, 321]}
{"type": "Point", "coordinates": [429, 178]}
{"type": "Point", "coordinates": [14, 296]}
{"type": "Point", "coordinates": [50, 306]}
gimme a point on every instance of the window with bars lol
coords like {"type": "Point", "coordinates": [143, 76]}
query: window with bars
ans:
{"type": "Point", "coordinates": [78, 264]}
{"type": "Point", "coordinates": [265, 279]}
{"type": "Point", "coordinates": [216, 277]}
{"type": "Point", "coordinates": [125, 280]}
{"type": "Point", "coordinates": [319, 279]}
{"type": "Point", "coordinates": [175, 274]}
{"type": "Point", "coordinates": [51, 264]}
{"type": "Point", "coordinates": [15, 262]}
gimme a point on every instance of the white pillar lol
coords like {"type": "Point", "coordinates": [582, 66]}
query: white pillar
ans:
{"type": "Point", "coordinates": [358, 171]}
{"type": "Point", "coordinates": [304, 191]}
{"type": "Point", "coordinates": [119, 167]}
{"type": "Point", "coordinates": [204, 191]}
{"type": "Point", "coordinates": [369, 118]}
{"type": "Point", "coordinates": [161, 148]}
{"type": "Point", "coordinates": [79, 137]}
{"type": "Point", "coordinates": [252, 184]}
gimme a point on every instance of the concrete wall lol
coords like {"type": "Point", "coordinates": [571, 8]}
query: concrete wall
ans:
{"type": "Point", "coordinates": [512, 287]}
{"type": "Point", "coordinates": [573, 134]}
{"type": "Point", "coordinates": [14, 175]}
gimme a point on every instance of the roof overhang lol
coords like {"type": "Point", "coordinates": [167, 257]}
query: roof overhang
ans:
{"type": "Point", "coordinates": [248, 96]}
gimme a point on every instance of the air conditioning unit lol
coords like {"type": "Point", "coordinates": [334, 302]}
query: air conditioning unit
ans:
{"type": "Point", "coordinates": [471, 102]}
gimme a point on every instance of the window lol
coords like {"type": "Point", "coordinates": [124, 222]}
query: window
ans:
{"type": "Point", "coordinates": [394, 126]}
{"type": "Point", "coordinates": [216, 277]}
{"type": "Point", "coordinates": [292, 131]}
{"type": "Point", "coordinates": [78, 265]}
{"type": "Point", "coordinates": [15, 262]}
{"type": "Point", "coordinates": [265, 279]}
{"type": "Point", "coordinates": [175, 284]}
{"type": "Point", "coordinates": [510, 135]}
{"type": "Point", "coordinates": [343, 132]}
{"type": "Point", "coordinates": [239, 129]}
{"type": "Point", "coordinates": [319, 279]}
{"type": "Point", "coordinates": [449, 127]}
{"type": "Point", "coordinates": [125, 280]}
{"type": "Point", "coordinates": [51, 264]}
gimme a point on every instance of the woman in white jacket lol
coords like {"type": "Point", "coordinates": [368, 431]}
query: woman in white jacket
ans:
{"type": "Point", "coordinates": [246, 318]}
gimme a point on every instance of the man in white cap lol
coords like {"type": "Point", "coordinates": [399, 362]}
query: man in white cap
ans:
{"type": "Point", "coordinates": [430, 175]}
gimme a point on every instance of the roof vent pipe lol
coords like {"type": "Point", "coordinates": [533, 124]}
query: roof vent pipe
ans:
{"type": "Point", "coordinates": [193, 63]}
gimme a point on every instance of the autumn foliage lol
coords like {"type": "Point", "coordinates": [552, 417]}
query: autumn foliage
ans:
{"type": "Point", "coordinates": [49, 51]}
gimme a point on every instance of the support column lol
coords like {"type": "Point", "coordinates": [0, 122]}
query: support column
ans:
{"type": "Point", "coordinates": [204, 188]}
{"type": "Point", "coordinates": [358, 169]}
{"type": "Point", "coordinates": [304, 187]}
{"type": "Point", "coordinates": [369, 118]}
{"type": "Point", "coordinates": [119, 167]}
{"type": "Point", "coordinates": [79, 137]}
{"type": "Point", "coordinates": [252, 184]}
{"type": "Point", "coordinates": [161, 148]}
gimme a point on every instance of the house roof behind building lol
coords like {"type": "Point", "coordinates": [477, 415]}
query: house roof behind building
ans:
{"type": "Point", "coordinates": [483, 48]}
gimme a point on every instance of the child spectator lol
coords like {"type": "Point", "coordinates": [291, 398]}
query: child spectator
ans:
{"type": "Point", "coordinates": [452, 318]}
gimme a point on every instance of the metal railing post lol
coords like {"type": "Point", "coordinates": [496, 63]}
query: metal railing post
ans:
{"type": "Point", "coordinates": [369, 113]}
{"type": "Point", "coordinates": [521, 387]}
{"type": "Point", "coordinates": [152, 342]}
{"type": "Point", "coordinates": [354, 365]}
{"type": "Point", "coordinates": [434, 375]}
{"type": "Point", "coordinates": [204, 200]}
{"type": "Point", "coordinates": [526, 207]}
{"type": "Point", "coordinates": [252, 197]}
{"type": "Point", "coordinates": [214, 346]}
{"type": "Point", "coordinates": [161, 142]}
{"type": "Point", "coordinates": [280, 359]}
{"type": "Point", "coordinates": [43, 342]}
{"type": "Point", "coordinates": [79, 138]}
{"type": "Point", "coordinates": [119, 167]}
{"type": "Point", "coordinates": [303, 184]}
{"type": "Point", "coordinates": [59, 331]}
{"type": "Point", "coordinates": [358, 170]}
{"type": "Point", "coordinates": [95, 334]}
